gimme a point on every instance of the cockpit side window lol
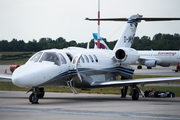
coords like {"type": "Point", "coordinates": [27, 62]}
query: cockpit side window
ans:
{"type": "Point", "coordinates": [50, 57]}
{"type": "Point", "coordinates": [36, 57]}
{"type": "Point", "coordinates": [63, 60]}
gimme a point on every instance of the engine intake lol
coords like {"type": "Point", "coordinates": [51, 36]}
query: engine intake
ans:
{"type": "Point", "coordinates": [126, 55]}
{"type": "Point", "coordinates": [120, 55]}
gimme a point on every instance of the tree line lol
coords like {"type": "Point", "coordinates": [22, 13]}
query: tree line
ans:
{"type": "Point", "coordinates": [158, 42]}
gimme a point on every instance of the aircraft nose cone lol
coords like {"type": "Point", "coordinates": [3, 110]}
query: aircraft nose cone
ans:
{"type": "Point", "coordinates": [22, 77]}
{"type": "Point", "coordinates": [15, 80]}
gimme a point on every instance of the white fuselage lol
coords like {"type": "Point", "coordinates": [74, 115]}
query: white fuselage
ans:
{"type": "Point", "coordinates": [161, 56]}
{"type": "Point", "coordinates": [41, 72]}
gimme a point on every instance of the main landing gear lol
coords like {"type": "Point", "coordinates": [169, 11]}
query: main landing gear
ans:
{"type": "Point", "coordinates": [139, 67]}
{"type": "Point", "coordinates": [135, 92]}
{"type": "Point", "coordinates": [36, 94]}
{"type": "Point", "coordinates": [177, 68]}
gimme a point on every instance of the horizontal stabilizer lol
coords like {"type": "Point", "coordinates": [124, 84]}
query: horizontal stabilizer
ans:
{"type": "Point", "coordinates": [108, 19]}
{"type": "Point", "coordinates": [135, 19]}
{"type": "Point", "coordinates": [158, 19]}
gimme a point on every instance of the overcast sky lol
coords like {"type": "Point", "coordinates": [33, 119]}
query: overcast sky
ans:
{"type": "Point", "coordinates": [33, 19]}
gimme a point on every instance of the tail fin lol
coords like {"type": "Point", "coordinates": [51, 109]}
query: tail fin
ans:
{"type": "Point", "coordinates": [128, 34]}
{"type": "Point", "coordinates": [102, 43]}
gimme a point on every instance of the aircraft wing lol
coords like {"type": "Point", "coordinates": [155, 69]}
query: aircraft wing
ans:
{"type": "Point", "coordinates": [142, 60]}
{"type": "Point", "coordinates": [119, 83]}
{"type": "Point", "coordinates": [4, 77]}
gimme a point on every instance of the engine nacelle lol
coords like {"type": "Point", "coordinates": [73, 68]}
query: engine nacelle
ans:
{"type": "Point", "coordinates": [151, 63]}
{"type": "Point", "coordinates": [126, 55]}
{"type": "Point", "coordinates": [164, 64]}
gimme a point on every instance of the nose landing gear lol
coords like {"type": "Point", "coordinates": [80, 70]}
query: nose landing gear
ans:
{"type": "Point", "coordinates": [33, 98]}
{"type": "Point", "coordinates": [37, 93]}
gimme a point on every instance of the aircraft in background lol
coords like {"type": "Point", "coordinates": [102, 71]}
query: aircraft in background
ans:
{"type": "Point", "coordinates": [150, 58]}
{"type": "Point", "coordinates": [86, 68]}
{"type": "Point", "coordinates": [162, 58]}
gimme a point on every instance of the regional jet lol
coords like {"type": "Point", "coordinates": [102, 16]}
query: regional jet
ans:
{"type": "Point", "coordinates": [86, 68]}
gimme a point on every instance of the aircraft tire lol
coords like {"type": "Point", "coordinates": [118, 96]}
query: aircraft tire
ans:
{"type": "Point", "coordinates": [135, 95]}
{"type": "Point", "coordinates": [33, 99]}
{"type": "Point", "coordinates": [139, 67]}
{"type": "Point", "coordinates": [148, 67]}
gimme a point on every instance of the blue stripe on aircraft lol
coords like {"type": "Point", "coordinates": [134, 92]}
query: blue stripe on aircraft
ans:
{"type": "Point", "coordinates": [70, 72]}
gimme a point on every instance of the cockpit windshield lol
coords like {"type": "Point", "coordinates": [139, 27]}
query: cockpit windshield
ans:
{"type": "Point", "coordinates": [50, 57]}
{"type": "Point", "coordinates": [36, 57]}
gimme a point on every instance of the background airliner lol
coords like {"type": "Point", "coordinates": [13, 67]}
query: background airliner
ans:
{"type": "Point", "coordinates": [149, 58]}
{"type": "Point", "coordinates": [86, 68]}
{"type": "Point", "coordinates": [162, 58]}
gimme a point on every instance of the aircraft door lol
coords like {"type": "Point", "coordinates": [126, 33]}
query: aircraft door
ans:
{"type": "Point", "coordinates": [74, 64]}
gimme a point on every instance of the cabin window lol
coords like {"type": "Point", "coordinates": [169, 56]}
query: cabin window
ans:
{"type": "Point", "coordinates": [63, 60]}
{"type": "Point", "coordinates": [50, 57]}
{"type": "Point", "coordinates": [86, 58]}
{"type": "Point", "coordinates": [91, 58]}
{"type": "Point", "coordinates": [82, 59]}
{"type": "Point", "coordinates": [36, 57]}
{"type": "Point", "coordinates": [95, 58]}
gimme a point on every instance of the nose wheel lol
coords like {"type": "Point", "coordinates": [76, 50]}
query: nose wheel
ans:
{"type": "Point", "coordinates": [33, 98]}
{"type": "Point", "coordinates": [36, 94]}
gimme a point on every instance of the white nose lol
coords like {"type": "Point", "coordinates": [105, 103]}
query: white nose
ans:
{"type": "Point", "coordinates": [15, 79]}
{"type": "Point", "coordinates": [22, 77]}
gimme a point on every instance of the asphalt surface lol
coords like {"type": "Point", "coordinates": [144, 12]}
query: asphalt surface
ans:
{"type": "Point", "coordinates": [162, 71]}
{"type": "Point", "coordinates": [14, 106]}
{"type": "Point", "coordinates": [5, 69]}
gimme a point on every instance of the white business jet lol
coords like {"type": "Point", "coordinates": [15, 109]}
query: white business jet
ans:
{"type": "Point", "coordinates": [149, 58]}
{"type": "Point", "coordinates": [86, 68]}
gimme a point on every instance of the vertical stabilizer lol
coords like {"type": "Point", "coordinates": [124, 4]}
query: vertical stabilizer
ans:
{"type": "Point", "coordinates": [127, 36]}
{"type": "Point", "coordinates": [102, 43]}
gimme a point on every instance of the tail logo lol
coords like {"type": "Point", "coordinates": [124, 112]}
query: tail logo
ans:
{"type": "Point", "coordinates": [128, 39]}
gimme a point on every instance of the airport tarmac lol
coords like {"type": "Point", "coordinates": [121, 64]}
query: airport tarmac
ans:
{"type": "Point", "coordinates": [4, 68]}
{"type": "Point", "coordinates": [158, 70]}
{"type": "Point", "coordinates": [14, 106]}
